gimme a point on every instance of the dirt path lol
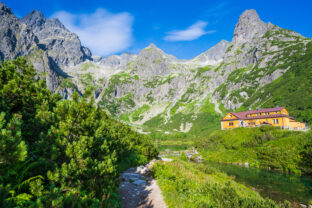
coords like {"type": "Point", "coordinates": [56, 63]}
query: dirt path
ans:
{"type": "Point", "coordinates": [137, 189]}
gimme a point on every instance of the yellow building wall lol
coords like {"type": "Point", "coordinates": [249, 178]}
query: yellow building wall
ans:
{"type": "Point", "coordinates": [267, 120]}
{"type": "Point", "coordinates": [229, 116]}
{"type": "Point", "coordinates": [225, 124]}
{"type": "Point", "coordinates": [285, 112]}
{"type": "Point", "coordinates": [286, 120]}
{"type": "Point", "coordinates": [296, 125]}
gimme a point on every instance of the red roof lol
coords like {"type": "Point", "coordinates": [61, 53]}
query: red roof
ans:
{"type": "Point", "coordinates": [243, 115]}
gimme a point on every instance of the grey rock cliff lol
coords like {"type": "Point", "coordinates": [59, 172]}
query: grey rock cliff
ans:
{"type": "Point", "coordinates": [248, 27]}
{"type": "Point", "coordinates": [63, 46]}
{"type": "Point", "coordinates": [245, 48]}
{"type": "Point", "coordinates": [152, 61]}
{"type": "Point", "coordinates": [16, 39]}
{"type": "Point", "coordinates": [117, 61]}
{"type": "Point", "coordinates": [214, 54]}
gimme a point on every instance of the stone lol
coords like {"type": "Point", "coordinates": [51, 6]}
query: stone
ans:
{"type": "Point", "coordinates": [142, 170]}
{"type": "Point", "coordinates": [63, 46]}
{"type": "Point", "coordinates": [166, 159]}
{"type": "Point", "coordinates": [248, 27]}
{"type": "Point", "coordinates": [17, 39]}
{"type": "Point", "coordinates": [214, 55]}
{"type": "Point", "coordinates": [139, 182]}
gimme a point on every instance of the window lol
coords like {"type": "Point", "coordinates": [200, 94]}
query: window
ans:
{"type": "Point", "coordinates": [230, 116]}
{"type": "Point", "coordinates": [273, 121]}
{"type": "Point", "coordinates": [231, 124]}
{"type": "Point", "coordinates": [276, 121]}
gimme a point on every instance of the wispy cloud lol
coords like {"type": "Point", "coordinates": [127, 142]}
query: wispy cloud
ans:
{"type": "Point", "coordinates": [191, 33]}
{"type": "Point", "coordinates": [218, 10]}
{"type": "Point", "coordinates": [103, 32]}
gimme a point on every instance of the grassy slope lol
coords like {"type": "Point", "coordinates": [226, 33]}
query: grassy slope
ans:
{"type": "Point", "coordinates": [206, 121]}
{"type": "Point", "coordinates": [293, 89]}
{"type": "Point", "coordinates": [260, 147]}
{"type": "Point", "coordinates": [185, 184]}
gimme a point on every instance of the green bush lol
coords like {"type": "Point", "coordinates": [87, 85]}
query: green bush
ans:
{"type": "Point", "coordinates": [60, 153]}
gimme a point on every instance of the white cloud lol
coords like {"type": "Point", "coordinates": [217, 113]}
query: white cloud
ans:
{"type": "Point", "coordinates": [103, 32]}
{"type": "Point", "coordinates": [191, 33]}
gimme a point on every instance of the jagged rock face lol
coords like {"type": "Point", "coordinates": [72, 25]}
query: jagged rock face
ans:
{"type": "Point", "coordinates": [246, 47]}
{"type": "Point", "coordinates": [249, 26]}
{"type": "Point", "coordinates": [16, 39]}
{"type": "Point", "coordinates": [63, 46]}
{"type": "Point", "coordinates": [117, 61]}
{"type": "Point", "coordinates": [214, 55]}
{"type": "Point", "coordinates": [152, 61]}
{"type": "Point", "coordinates": [44, 67]}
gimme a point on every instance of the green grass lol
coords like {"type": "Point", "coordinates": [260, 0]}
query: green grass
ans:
{"type": "Point", "coordinates": [87, 79]}
{"type": "Point", "coordinates": [137, 113]}
{"type": "Point", "coordinates": [202, 70]}
{"type": "Point", "coordinates": [292, 90]}
{"type": "Point", "coordinates": [186, 184]}
{"type": "Point", "coordinates": [205, 121]}
{"type": "Point", "coordinates": [87, 66]}
{"type": "Point", "coordinates": [265, 147]}
{"type": "Point", "coordinates": [67, 83]}
{"type": "Point", "coordinates": [158, 80]}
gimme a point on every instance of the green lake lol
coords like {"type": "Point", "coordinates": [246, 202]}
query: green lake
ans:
{"type": "Point", "coordinates": [170, 148]}
{"type": "Point", "coordinates": [276, 186]}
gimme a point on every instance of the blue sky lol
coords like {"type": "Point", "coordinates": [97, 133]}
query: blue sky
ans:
{"type": "Point", "coordinates": [179, 27]}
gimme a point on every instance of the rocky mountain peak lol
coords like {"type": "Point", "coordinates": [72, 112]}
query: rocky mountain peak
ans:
{"type": "Point", "coordinates": [214, 55]}
{"type": "Point", "coordinates": [16, 38]}
{"type": "Point", "coordinates": [63, 46]}
{"type": "Point", "coordinates": [152, 51]}
{"type": "Point", "coordinates": [249, 14]}
{"type": "Point", "coordinates": [115, 61]}
{"type": "Point", "coordinates": [248, 27]}
{"type": "Point", "coordinates": [34, 18]}
{"type": "Point", "coordinates": [152, 45]}
{"type": "Point", "coordinates": [4, 9]}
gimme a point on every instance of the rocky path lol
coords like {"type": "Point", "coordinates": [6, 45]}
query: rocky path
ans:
{"type": "Point", "coordinates": [138, 189]}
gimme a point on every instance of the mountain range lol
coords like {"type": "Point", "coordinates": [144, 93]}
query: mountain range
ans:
{"type": "Point", "coordinates": [263, 66]}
